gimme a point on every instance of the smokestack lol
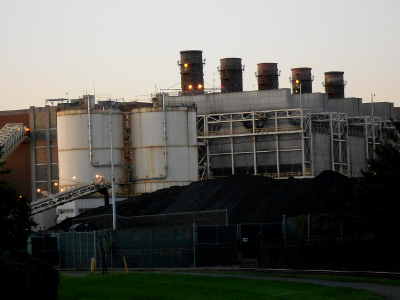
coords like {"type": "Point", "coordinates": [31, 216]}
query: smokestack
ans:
{"type": "Point", "coordinates": [267, 76]}
{"type": "Point", "coordinates": [231, 71]}
{"type": "Point", "coordinates": [334, 84]}
{"type": "Point", "coordinates": [301, 76]}
{"type": "Point", "coordinates": [191, 65]}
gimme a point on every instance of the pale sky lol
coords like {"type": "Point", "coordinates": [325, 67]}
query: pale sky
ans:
{"type": "Point", "coordinates": [50, 48]}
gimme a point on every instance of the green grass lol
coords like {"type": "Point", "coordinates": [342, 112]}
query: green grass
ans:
{"type": "Point", "coordinates": [341, 278]}
{"type": "Point", "coordinates": [178, 286]}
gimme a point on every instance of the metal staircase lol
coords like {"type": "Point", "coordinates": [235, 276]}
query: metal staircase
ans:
{"type": "Point", "coordinates": [11, 135]}
{"type": "Point", "coordinates": [51, 201]}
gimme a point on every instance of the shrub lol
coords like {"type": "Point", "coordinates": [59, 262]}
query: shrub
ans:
{"type": "Point", "coordinates": [28, 278]}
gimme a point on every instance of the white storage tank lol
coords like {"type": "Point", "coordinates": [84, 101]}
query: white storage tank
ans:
{"type": "Point", "coordinates": [80, 159]}
{"type": "Point", "coordinates": [160, 163]}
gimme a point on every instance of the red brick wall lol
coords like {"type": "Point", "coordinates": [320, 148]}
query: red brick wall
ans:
{"type": "Point", "coordinates": [19, 162]}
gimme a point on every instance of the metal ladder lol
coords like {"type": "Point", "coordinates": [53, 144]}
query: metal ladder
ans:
{"type": "Point", "coordinates": [11, 135]}
{"type": "Point", "coordinates": [51, 201]}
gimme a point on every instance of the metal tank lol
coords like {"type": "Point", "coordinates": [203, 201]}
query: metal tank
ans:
{"type": "Point", "coordinates": [267, 76]}
{"type": "Point", "coordinates": [164, 147]}
{"type": "Point", "coordinates": [334, 84]}
{"type": "Point", "coordinates": [84, 150]}
{"type": "Point", "coordinates": [231, 73]}
{"type": "Point", "coordinates": [301, 76]}
{"type": "Point", "coordinates": [191, 67]}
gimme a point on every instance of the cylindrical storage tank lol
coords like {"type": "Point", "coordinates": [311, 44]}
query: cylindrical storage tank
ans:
{"type": "Point", "coordinates": [334, 84]}
{"type": "Point", "coordinates": [191, 67]}
{"type": "Point", "coordinates": [267, 76]}
{"type": "Point", "coordinates": [231, 73]}
{"type": "Point", "coordinates": [301, 76]}
{"type": "Point", "coordinates": [75, 147]}
{"type": "Point", "coordinates": [157, 164]}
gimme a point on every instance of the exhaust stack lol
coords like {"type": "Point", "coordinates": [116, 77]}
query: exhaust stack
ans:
{"type": "Point", "coordinates": [301, 76]}
{"type": "Point", "coordinates": [231, 73]}
{"type": "Point", "coordinates": [191, 67]}
{"type": "Point", "coordinates": [334, 84]}
{"type": "Point", "coordinates": [267, 76]}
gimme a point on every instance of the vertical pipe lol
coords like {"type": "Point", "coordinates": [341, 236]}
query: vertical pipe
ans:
{"type": "Point", "coordinates": [302, 135]}
{"type": "Point", "coordinates": [284, 227]}
{"type": "Point", "coordinates": [254, 155]}
{"type": "Point", "coordinates": [232, 158]}
{"type": "Point", "coordinates": [311, 146]}
{"type": "Point", "coordinates": [112, 173]}
{"type": "Point", "coordinates": [32, 150]}
{"type": "Point", "coordinates": [277, 145]}
{"type": "Point", "coordinates": [331, 133]}
{"type": "Point", "coordinates": [373, 125]}
{"type": "Point", "coordinates": [94, 246]}
{"type": "Point", "coordinates": [194, 244]}
{"type": "Point", "coordinates": [308, 229]}
{"type": "Point", "coordinates": [366, 138]}
{"type": "Point", "coordinates": [340, 144]}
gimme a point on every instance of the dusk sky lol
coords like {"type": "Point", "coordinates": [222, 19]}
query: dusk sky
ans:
{"type": "Point", "coordinates": [125, 48]}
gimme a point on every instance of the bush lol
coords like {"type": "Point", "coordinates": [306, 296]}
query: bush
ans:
{"type": "Point", "coordinates": [28, 278]}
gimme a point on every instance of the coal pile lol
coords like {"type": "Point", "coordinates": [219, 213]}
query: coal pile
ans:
{"type": "Point", "coordinates": [247, 198]}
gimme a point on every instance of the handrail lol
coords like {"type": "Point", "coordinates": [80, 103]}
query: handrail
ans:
{"type": "Point", "coordinates": [11, 135]}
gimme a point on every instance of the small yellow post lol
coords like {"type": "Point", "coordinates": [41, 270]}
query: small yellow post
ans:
{"type": "Point", "coordinates": [92, 266]}
{"type": "Point", "coordinates": [126, 267]}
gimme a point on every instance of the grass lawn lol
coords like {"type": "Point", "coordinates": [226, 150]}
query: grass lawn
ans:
{"type": "Point", "coordinates": [341, 278]}
{"type": "Point", "coordinates": [178, 286]}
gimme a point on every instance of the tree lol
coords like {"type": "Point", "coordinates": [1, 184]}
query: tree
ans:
{"type": "Point", "coordinates": [377, 195]}
{"type": "Point", "coordinates": [15, 221]}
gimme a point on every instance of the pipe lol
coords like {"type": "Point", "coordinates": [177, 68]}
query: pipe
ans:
{"type": "Point", "coordinates": [112, 174]}
{"type": "Point", "coordinates": [90, 142]}
{"type": "Point", "coordinates": [165, 148]}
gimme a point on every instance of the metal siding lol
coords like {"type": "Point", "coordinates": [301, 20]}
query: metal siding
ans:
{"type": "Point", "coordinates": [73, 146]}
{"type": "Point", "coordinates": [148, 147]}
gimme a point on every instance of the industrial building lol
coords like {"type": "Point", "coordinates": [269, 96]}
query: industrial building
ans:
{"type": "Point", "coordinates": [193, 134]}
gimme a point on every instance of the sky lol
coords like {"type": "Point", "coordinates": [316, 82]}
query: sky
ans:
{"type": "Point", "coordinates": [129, 49]}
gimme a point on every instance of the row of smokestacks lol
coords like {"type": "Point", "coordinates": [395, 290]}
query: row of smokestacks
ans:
{"type": "Point", "coordinates": [231, 74]}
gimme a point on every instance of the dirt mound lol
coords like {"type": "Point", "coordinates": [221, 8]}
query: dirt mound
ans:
{"type": "Point", "coordinates": [248, 199]}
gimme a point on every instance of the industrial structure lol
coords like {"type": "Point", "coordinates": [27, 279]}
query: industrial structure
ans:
{"type": "Point", "coordinates": [178, 138]}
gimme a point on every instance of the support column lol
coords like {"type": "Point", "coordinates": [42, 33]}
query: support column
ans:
{"type": "Point", "coordinates": [331, 134]}
{"type": "Point", "coordinates": [32, 151]}
{"type": "Point", "coordinates": [254, 155]}
{"type": "Point", "coordinates": [232, 158]}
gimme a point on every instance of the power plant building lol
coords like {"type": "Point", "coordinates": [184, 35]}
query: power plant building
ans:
{"type": "Point", "coordinates": [196, 134]}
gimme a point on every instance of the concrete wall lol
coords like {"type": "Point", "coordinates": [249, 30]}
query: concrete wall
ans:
{"type": "Point", "coordinates": [357, 153]}
{"type": "Point", "coordinates": [350, 106]}
{"type": "Point", "coordinates": [322, 159]}
{"type": "Point", "coordinates": [237, 102]}
{"type": "Point", "coordinates": [315, 102]}
{"type": "Point", "coordinates": [384, 110]}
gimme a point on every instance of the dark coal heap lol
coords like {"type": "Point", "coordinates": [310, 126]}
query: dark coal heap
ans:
{"type": "Point", "coordinates": [247, 198]}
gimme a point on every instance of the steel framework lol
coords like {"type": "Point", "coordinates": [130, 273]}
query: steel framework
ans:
{"type": "Point", "coordinates": [52, 201]}
{"type": "Point", "coordinates": [336, 125]}
{"type": "Point", "coordinates": [254, 124]}
{"type": "Point", "coordinates": [369, 128]}
{"type": "Point", "coordinates": [11, 135]}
